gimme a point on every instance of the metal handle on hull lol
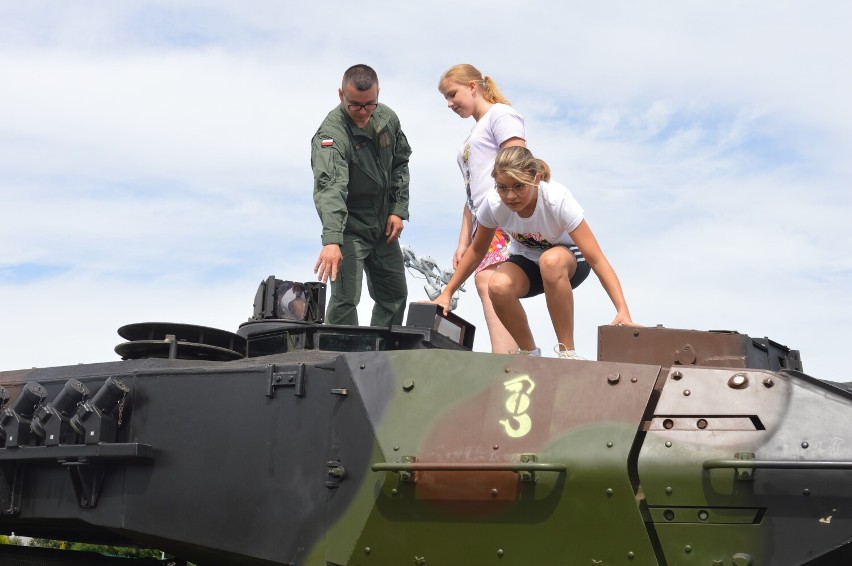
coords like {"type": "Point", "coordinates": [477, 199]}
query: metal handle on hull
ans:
{"type": "Point", "coordinates": [778, 464]}
{"type": "Point", "coordinates": [462, 467]}
{"type": "Point", "coordinates": [526, 470]}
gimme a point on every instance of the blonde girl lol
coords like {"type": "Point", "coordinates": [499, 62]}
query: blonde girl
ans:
{"type": "Point", "coordinates": [497, 125]}
{"type": "Point", "coordinates": [551, 252]}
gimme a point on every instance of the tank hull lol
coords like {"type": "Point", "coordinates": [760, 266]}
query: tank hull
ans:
{"type": "Point", "coordinates": [434, 455]}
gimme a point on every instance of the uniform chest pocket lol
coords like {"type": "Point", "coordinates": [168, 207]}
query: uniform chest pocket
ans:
{"type": "Point", "coordinates": [373, 163]}
{"type": "Point", "coordinates": [385, 145]}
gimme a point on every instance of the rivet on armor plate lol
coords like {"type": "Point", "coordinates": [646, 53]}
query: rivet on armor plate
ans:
{"type": "Point", "coordinates": [609, 492]}
{"type": "Point", "coordinates": [408, 385]}
{"type": "Point", "coordinates": [738, 381]}
{"type": "Point", "coordinates": [687, 392]}
{"type": "Point", "coordinates": [609, 444]}
{"type": "Point", "coordinates": [742, 559]}
{"type": "Point", "coordinates": [494, 492]}
{"type": "Point", "coordinates": [805, 444]}
{"type": "Point", "coordinates": [768, 382]}
{"type": "Point", "coordinates": [668, 443]}
{"type": "Point", "coordinates": [687, 549]}
{"type": "Point", "coordinates": [499, 553]}
{"type": "Point", "coordinates": [669, 491]}
{"type": "Point", "coordinates": [806, 492]}
{"type": "Point", "coordinates": [703, 515]}
{"type": "Point", "coordinates": [676, 375]}
{"type": "Point", "coordinates": [631, 555]}
{"type": "Point", "coordinates": [613, 378]}
{"type": "Point", "coordinates": [368, 550]}
{"type": "Point", "coordinates": [701, 424]}
{"type": "Point", "coordinates": [363, 366]}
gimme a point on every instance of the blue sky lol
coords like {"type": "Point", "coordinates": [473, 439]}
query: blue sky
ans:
{"type": "Point", "coordinates": [154, 158]}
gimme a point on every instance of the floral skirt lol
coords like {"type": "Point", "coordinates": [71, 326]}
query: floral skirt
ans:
{"type": "Point", "coordinates": [498, 251]}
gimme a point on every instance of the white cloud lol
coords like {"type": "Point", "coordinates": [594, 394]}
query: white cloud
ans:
{"type": "Point", "coordinates": [154, 160]}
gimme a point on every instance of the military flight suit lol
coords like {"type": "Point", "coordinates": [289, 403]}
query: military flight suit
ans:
{"type": "Point", "coordinates": [360, 177]}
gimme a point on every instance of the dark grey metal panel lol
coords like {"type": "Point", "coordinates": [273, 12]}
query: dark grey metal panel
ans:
{"type": "Point", "coordinates": [794, 425]}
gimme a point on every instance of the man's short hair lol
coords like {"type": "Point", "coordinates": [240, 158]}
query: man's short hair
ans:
{"type": "Point", "coordinates": [361, 77]}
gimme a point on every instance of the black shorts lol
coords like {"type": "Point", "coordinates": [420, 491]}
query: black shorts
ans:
{"type": "Point", "coordinates": [533, 273]}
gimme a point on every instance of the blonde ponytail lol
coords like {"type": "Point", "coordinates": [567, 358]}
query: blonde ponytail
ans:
{"type": "Point", "coordinates": [464, 74]}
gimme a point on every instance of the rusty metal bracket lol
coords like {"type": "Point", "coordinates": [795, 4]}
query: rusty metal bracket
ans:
{"type": "Point", "coordinates": [526, 468]}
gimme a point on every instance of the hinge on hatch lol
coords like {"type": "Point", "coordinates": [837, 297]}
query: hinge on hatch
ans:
{"type": "Point", "coordinates": [334, 474]}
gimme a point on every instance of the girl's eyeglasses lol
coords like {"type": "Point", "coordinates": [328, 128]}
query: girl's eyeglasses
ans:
{"type": "Point", "coordinates": [517, 188]}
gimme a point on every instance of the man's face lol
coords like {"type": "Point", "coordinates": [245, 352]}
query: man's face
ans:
{"type": "Point", "coordinates": [364, 103]}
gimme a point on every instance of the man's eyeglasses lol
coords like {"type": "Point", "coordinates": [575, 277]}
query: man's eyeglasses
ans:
{"type": "Point", "coordinates": [517, 188]}
{"type": "Point", "coordinates": [368, 107]}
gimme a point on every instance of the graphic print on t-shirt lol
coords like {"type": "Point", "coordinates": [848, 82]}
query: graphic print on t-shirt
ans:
{"type": "Point", "coordinates": [534, 240]}
{"type": "Point", "coordinates": [466, 176]}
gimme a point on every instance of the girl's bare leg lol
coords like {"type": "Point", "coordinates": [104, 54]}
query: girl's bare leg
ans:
{"type": "Point", "coordinates": [501, 341]}
{"type": "Point", "coordinates": [557, 267]}
{"type": "Point", "coordinates": [506, 286]}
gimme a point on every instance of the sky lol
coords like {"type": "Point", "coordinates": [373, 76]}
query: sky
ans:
{"type": "Point", "coordinates": [155, 161]}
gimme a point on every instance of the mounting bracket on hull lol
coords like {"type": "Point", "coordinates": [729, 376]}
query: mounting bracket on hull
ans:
{"type": "Point", "coordinates": [526, 468]}
{"type": "Point", "coordinates": [86, 463]}
{"type": "Point", "coordinates": [286, 376]}
{"type": "Point", "coordinates": [87, 480]}
{"type": "Point", "coordinates": [11, 480]}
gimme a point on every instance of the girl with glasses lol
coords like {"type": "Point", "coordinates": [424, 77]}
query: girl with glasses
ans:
{"type": "Point", "coordinates": [551, 252]}
{"type": "Point", "coordinates": [470, 94]}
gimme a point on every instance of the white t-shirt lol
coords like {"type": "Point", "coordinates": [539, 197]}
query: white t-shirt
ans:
{"type": "Point", "coordinates": [476, 157]}
{"type": "Point", "coordinates": [556, 213]}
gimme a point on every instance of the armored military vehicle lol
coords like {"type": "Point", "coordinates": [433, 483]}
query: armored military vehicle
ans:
{"type": "Point", "coordinates": [293, 442]}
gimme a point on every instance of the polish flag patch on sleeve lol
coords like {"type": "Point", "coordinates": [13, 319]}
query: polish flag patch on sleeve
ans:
{"type": "Point", "coordinates": [328, 142]}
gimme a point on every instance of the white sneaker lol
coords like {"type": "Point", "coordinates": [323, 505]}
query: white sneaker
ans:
{"type": "Point", "coordinates": [520, 352]}
{"type": "Point", "coordinates": [566, 354]}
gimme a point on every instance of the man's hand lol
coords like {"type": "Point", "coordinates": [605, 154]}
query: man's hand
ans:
{"type": "Point", "coordinates": [393, 228]}
{"type": "Point", "coordinates": [329, 262]}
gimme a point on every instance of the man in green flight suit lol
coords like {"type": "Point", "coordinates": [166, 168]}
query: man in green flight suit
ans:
{"type": "Point", "coordinates": [359, 157]}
